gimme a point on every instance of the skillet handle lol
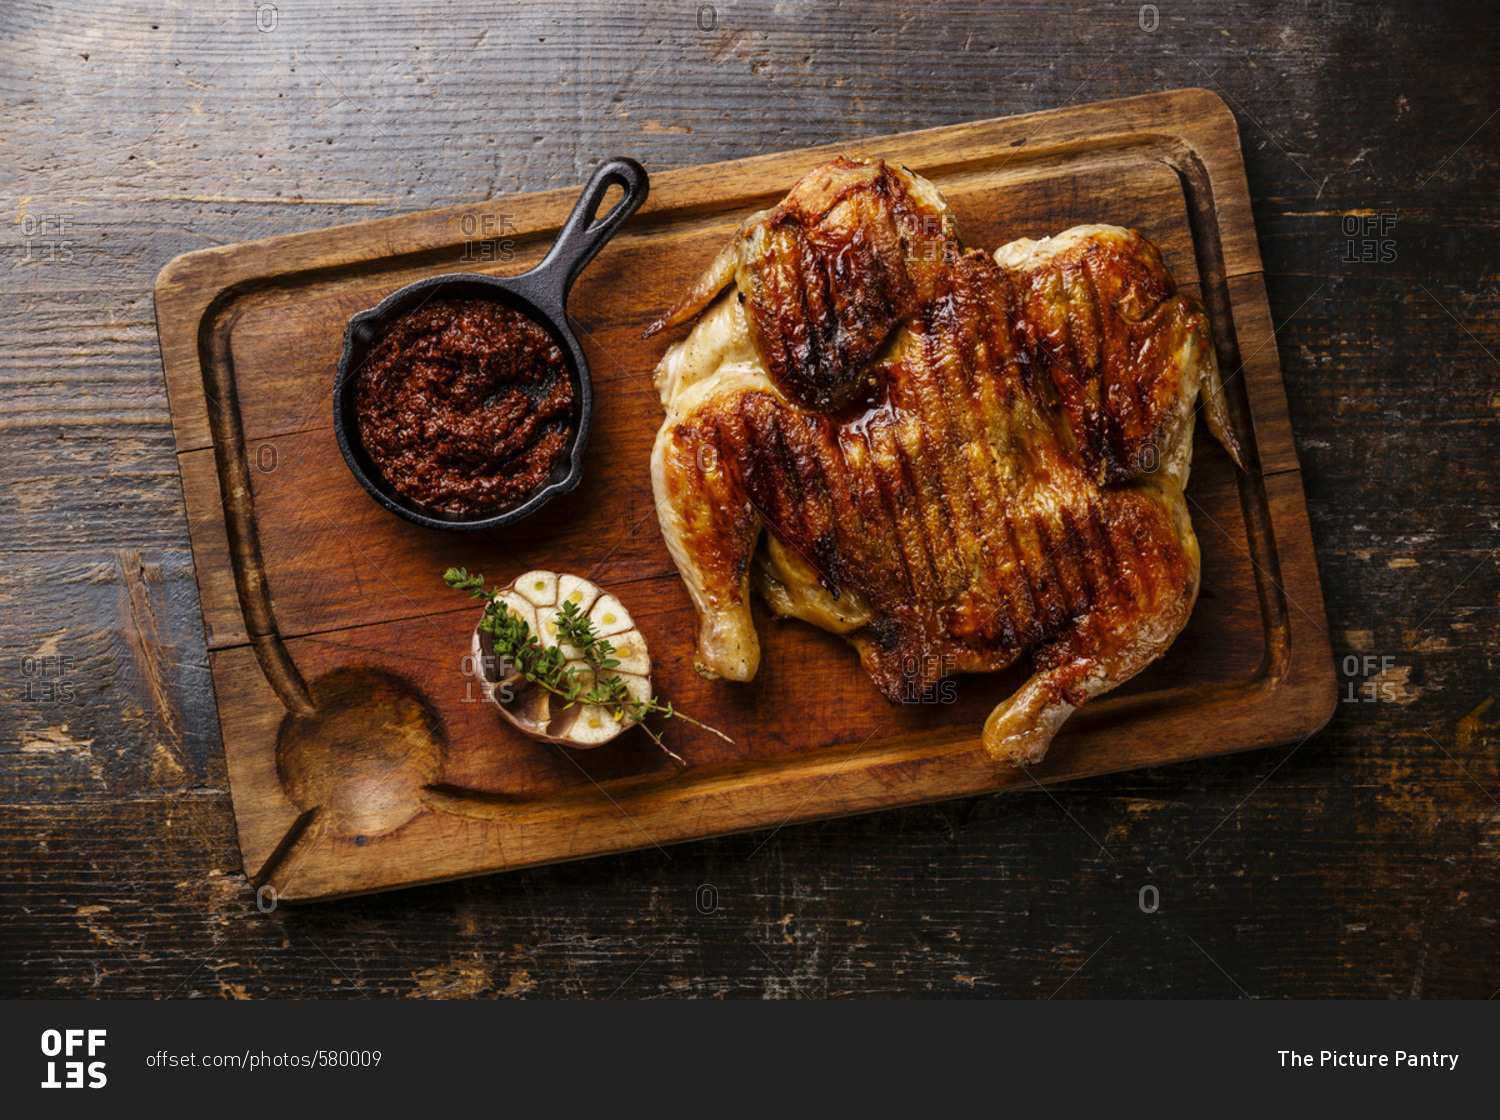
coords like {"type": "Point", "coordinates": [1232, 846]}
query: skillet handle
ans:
{"type": "Point", "coordinates": [585, 233]}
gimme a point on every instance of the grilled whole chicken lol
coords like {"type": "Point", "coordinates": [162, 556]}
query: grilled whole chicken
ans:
{"type": "Point", "coordinates": [957, 458]}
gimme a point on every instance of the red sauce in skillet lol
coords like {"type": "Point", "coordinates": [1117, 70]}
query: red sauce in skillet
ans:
{"type": "Point", "coordinates": [465, 406]}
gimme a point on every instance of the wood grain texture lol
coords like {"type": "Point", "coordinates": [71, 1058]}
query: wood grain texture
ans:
{"type": "Point", "coordinates": [1363, 863]}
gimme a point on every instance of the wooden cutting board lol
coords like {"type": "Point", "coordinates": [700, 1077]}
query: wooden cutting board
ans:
{"type": "Point", "coordinates": [360, 755]}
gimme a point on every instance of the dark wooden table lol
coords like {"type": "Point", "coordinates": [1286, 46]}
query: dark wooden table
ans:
{"type": "Point", "coordinates": [1365, 862]}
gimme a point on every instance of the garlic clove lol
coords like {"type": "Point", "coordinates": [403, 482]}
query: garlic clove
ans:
{"type": "Point", "coordinates": [594, 725]}
{"type": "Point", "coordinates": [609, 616]}
{"type": "Point", "coordinates": [639, 687]}
{"type": "Point", "coordinates": [539, 588]}
{"type": "Point", "coordinates": [630, 652]}
{"type": "Point", "coordinates": [536, 708]}
{"type": "Point", "coordinates": [577, 590]}
{"type": "Point", "coordinates": [546, 627]}
{"type": "Point", "coordinates": [519, 605]}
{"type": "Point", "coordinates": [546, 630]}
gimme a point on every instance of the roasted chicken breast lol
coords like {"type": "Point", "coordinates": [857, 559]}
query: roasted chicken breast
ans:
{"type": "Point", "coordinates": [957, 458]}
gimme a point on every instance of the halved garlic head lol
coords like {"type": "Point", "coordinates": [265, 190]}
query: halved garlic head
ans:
{"type": "Point", "coordinates": [537, 598]}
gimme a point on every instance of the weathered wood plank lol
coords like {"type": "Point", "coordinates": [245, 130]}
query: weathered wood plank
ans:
{"type": "Point", "coordinates": [1362, 865]}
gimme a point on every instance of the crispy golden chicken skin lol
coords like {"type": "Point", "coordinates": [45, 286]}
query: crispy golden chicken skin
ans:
{"type": "Point", "coordinates": [958, 458]}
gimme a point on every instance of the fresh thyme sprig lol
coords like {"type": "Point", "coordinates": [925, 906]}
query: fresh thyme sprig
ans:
{"type": "Point", "coordinates": [549, 668]}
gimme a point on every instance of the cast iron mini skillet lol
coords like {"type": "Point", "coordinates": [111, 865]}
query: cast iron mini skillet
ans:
{"type": "Point", "coordinates": [542, 295]}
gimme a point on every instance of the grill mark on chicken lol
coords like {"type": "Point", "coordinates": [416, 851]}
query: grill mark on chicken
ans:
{"type": "Point", "coordinates": [967, 532]}
{"type": "Point", "coordinates": [986, 494]}
{"type": "Point", "coordinates": [892, 553]}
{"type": "Point", "coordinates": [996, 573]}
{"type": "Point", "coordinates": [939, 445]}
{"type": "Point", "coordinates": [816, 522]}
{"type": "Point", "coordinates": [927, 504]}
